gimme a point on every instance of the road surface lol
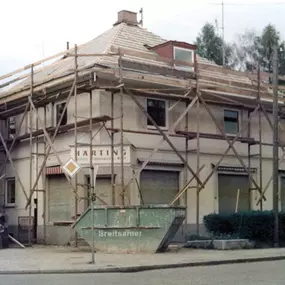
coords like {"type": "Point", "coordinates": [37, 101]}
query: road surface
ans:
{"type": "Point", "coordinates": [269, 273]}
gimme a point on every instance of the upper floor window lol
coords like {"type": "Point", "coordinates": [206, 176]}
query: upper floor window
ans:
{"type": "Point", "coordinates": [11, 126]}
{"type": "Point", "coordinates": [59, 111]}
{"type": "Point", "coordinates": [231, 122]}
{"type": "Point", "coordinates": [183, 55]}
{"type": "Point", "coordinates": [157, 110]}
{"type": "Point", "coordinates": [10, 192]}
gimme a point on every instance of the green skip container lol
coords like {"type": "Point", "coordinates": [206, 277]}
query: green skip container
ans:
{"type": "Point", "coordinates": [132, 229]}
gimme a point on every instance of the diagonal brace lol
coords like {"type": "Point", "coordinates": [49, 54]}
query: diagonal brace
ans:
{"type": "Point", "coordinates": [228, 149]}
{"type": "Point", "coordinates": [155, 150]}
{"type": "Point", "coordinates": [49, 147]}
{"type": "Point", "coordinates": [280, 160]}
{"type": "Point", "coordinates": [13, 166]}
{"type": "Point", "coordinates": [229, 142]}
{"type": "Point", "coordinates": [163, 134]}
{"type": "Point", "coordinates": [52, 145]}
{"type": "Point", "coordinates": [16, 135]}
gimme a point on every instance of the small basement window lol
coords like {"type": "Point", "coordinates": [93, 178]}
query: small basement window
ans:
{"type": "Point", "coordinates": [157, 110]}
{"type": "Point", "coordinates": [10, 192]}
{"type": "Point", "coordinates": [231, 122]}
{"type": "Point", "coordinates": [183, 55]}
{"type": "Point", "coordinates": [59, 111]}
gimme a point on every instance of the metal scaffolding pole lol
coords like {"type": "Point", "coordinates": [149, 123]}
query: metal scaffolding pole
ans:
{"type": "Point", "coordinates": [75, 136]}
{"type": "Point", "coordinates": [122, 131]}
{"type": "Point", "coordinates": [197, 153]}
{"type": "Point", "coordinates": [92, 177]}
{"type": "Point", "coordinates": [198, 167]}
{"type": "Point", "coordinates": [249, 160]}
{"type": "Point", "coordinates": [112, 152]}
{"type": "Point", "coordinates": [186, 170]}
{"type": "Point", "coordinates": [31, 155]}
{"type": "Point", "coordinates": [44, 180]}
{"type": "Point", "coordinates": [260, 137]}
{"type": "Point", "coordinates": [36, 155]}
{"type": "Point", "coordinates": [275, 148]}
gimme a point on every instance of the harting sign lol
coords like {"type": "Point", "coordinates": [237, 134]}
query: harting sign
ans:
{"type": "Point", "coordinates": [101, 155]}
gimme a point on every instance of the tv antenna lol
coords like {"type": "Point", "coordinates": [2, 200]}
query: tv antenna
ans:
{"type": "Point", "coordinates": [141, 21]}
{"type": "Point", "coordinates": [223, 31]}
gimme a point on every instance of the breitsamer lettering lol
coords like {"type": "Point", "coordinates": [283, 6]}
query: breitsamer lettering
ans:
{"type": "Point", "coordinates": [116, 233]}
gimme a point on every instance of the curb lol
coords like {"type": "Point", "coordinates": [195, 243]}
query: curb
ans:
{"type": "Point", "coordinates": [134, 269]}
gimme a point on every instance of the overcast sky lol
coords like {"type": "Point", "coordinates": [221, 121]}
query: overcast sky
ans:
{"type": "Point", "coordinates": [33, 29]}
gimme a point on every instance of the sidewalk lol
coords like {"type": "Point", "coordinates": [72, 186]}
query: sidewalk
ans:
{"type": "Point", "coordinates": [71, 260]}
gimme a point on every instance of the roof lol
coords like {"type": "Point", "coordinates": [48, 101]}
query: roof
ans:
{"type": "Point", "coordinates": [119, 36]}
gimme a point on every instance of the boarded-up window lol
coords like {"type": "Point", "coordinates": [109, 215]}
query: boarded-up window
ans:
{"type": "Point", "coordinates": [228, 193]}
{"type": "Point", "coordinates": [59, 199]}
{"type": "Point", "coordinates": [159, 187]}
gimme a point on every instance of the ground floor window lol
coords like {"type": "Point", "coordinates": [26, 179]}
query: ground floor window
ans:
{"type": "Point", "coordinates": [10, 192]}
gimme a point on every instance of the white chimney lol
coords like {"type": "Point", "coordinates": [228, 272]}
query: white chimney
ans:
{"type": "Point", "coordinates": [127, 17]}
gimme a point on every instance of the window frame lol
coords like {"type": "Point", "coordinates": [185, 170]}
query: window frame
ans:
{"type": "Point", "coordinates": [151, 127]}
{"type": "Point", "coordinates": [181, 67]}
{"type": "Point", "coordinates": [56, 112]}
{"type": "Point", "coordinates": [238, 121]}
{"type": "Point", "coordinates": [7, 203]}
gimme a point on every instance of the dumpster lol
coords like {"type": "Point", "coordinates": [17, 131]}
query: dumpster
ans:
{"type": "Point", "coordinates": [131, 229]}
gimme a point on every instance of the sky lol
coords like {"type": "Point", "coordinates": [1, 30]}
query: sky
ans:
{"type": "Point", "coordinates": [33, 29]}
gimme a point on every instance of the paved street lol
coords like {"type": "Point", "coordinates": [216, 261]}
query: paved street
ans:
{"type": "Point", "coordinates": [269, 273]}
{"type": "Point", "coordinates": [60, 259]}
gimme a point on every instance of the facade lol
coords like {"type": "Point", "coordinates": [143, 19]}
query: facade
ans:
{"type": "Point", "coordinates": [196, 140]}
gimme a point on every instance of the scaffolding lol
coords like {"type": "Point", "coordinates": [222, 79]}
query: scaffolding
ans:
{"type": "Point", "coordinates": [135, 80]}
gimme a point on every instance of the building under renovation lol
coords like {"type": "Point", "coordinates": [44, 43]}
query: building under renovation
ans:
{"type": "Point", "coordinates": [163, 126]}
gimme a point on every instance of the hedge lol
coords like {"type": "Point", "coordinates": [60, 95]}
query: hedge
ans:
{"type": "Point", "coordinates": [254, 225]}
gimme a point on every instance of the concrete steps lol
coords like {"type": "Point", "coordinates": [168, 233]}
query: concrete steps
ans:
{"type": "Point", "coordinates": [80, 243]}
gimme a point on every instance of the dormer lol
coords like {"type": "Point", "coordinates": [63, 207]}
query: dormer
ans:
{"type": "Point", "coordinates": [182, 54]}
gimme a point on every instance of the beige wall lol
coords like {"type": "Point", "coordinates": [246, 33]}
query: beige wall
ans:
{"type": "Point", "coordinates": [134, 119]}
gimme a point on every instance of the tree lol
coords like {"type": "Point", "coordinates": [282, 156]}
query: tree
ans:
{"type": "Point", "coordinates": [210, 45]}
{"type": "Point", "coordinates": [244, 52]}
{"type": "Point", "coordinates": [251, 48]}
{"type": "Point", "coordinates": [269, 38]}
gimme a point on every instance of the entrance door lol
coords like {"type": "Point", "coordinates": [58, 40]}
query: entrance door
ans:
{"type": "Point", "coordinates": [228, 188]}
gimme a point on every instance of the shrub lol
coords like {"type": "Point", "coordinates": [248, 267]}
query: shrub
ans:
{"type": "Point", "coordinates": [253, 225]}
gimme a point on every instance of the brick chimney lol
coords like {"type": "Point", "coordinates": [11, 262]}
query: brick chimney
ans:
{"type": "Point", "coordinates": [127, 17]}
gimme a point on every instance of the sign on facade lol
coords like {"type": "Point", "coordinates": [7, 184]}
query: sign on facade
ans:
{"type": "Point", "coordinates": [71, 167]}
{"type": "Point", "coordinates": [101, 155]}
